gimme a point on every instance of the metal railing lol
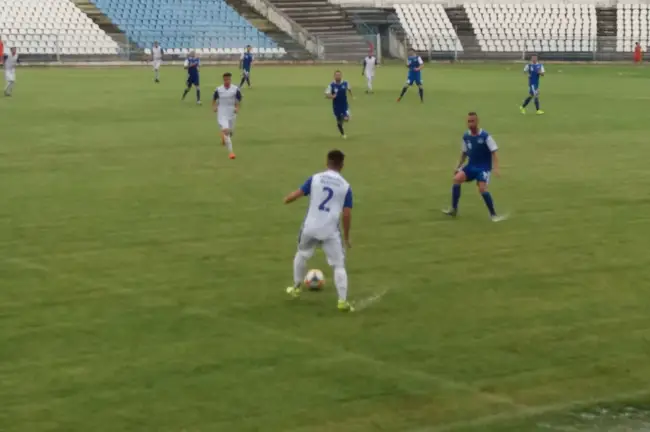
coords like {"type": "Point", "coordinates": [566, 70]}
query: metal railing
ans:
{"type": "Point", "coordinates": [469, 48]}
{"type": "Point", "coordinates": [288, 25]}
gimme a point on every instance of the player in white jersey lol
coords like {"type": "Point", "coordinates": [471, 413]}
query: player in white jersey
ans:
{"type": "Point", "coordinates": [10, 62]}
{"type": "Point", "coordinates": [369, 65]}
{"type": "Point", "coordinates": [330, 200]}
{"type": "Point", "coordinates": [225, 103]}
{"type": "Point", "coordinates": [156, 57]}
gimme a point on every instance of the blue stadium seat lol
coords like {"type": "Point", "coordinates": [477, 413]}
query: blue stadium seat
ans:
{"type": "Point", "coordinates": [190, 24]}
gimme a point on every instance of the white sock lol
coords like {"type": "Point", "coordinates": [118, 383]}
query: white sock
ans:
{"type": "Point", "coordinates": [229, 143]}
{"type": "Point", "coordinates": [299, 269]}
{"type": "Point", "coordinates": [369, 84]}
{"type": "Point", "coordinates": [341, 282]}
{"type": "Point", "coordinates": [8, 87]}
{"type": "Point", "coordinates": [156, 73]}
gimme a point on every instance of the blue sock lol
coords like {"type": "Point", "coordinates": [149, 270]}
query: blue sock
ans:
{"type": "Point", "coordinates": [339, 124]}
{"type": "Point", "coordinates": [488, 202]}
{"type": "Point", "coordinates": [243, 80]}
{"type": "Point", "coordinates": [537, 103]}
{"type": "Point", "coordinates": [421, 92]}
{"type": "Point", "coordinates": [455, 196]}
{"type": "Point", "coordinates": [527, 101]}
{"type": "Point", "coordinates": [403, 92]}
{"type": "Point", "coordinates": [187, 90]}
{"type": "Point", "coordinates": [198, 95]}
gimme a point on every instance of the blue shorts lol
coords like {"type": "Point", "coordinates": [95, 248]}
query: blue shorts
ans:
{"type": "Point", "coordinates": [414, 78]}
{"type": "Point", "coordinates": [342, 113]}
{"type": "Point", "coordinates": [476, 174]}
{"type": "Point", "coordinates": [533, 89]}
{"type": "Point", "coordinates": [193, 81]}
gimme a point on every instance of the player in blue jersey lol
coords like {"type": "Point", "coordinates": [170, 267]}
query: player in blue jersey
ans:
{"type": "Point", "coordinates": [192, 64]}
{"type": "Point", "coordinates": [534, 70]}
{"type": "Point", "coordinates": [338, 91]}
{"type": "Point", "coordinates": [245, 64]}
{"type": "Point", "coordinates": [480, 152]}
{"type": "Point", "coordinates": [415, 65]}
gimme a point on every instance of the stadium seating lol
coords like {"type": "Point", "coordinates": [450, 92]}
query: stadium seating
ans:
{"type": "Point", "coordinates": [633, 25]}
{"type": "Point", "coordinates": [51, 27]}
{"type": "Point", "coordinates": [209, 26]}
{"type": "Point", "coordinates": [534, 26]}
{"type": "Point", "coordinates": [427, 27]}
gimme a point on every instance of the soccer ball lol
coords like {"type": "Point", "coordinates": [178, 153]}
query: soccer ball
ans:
{"type": "Point", "coordinates": [315, 280]}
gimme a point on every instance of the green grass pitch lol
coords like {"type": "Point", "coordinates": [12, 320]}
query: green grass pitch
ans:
{"type": "Point", "coordinates": [143, 273]}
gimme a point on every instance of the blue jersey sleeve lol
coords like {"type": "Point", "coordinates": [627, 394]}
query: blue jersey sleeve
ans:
{"type": "Point", "coordinates": [347, 203]}
{"type": "Point", "coordinates": [215, 96]}
{"type": "Point", "coordinates": [306, 187]}
{"type": "Point", "coordinates": [238, 95]}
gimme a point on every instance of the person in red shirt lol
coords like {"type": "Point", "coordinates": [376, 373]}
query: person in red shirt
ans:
{"type": "Point", "coordinates": [2, 52]}
{"type": "Point", "coordinates": [637, 53]}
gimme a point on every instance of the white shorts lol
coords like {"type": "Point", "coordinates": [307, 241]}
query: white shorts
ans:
{"type": "Point", "coordinates": [157, 64]}
{"type": "Point", "coordinates": [369, 76]}
{"type": "Point", "coordinates": [226, 121]}
{"type": "Point", "coordinates": [332, 247]}
{"type": "Point", "coordinates": [10, 76]}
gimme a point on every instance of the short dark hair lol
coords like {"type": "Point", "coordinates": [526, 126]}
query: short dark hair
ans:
{"type": "Point", "coordinates": [227, 74]}
{"type": "Point", "coordinates": [335, 158]}
{"type": "Point", "coordinates": [248, 46]}
{"type": "Point", "coordinates": [472, 113]}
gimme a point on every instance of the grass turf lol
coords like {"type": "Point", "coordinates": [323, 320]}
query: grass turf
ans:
{"type": "Point", "coordinates": [142, 272]}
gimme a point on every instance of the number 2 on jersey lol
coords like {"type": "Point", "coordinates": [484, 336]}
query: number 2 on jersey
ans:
{"type": "Point", "coordinates": [330, 194]}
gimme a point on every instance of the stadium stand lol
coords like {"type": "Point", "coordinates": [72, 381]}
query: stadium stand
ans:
{"type": "Point", "coordinates": [330, 24]}
{"type": "Point", "coordinates": [428, 27]}
{"type": "Point", "coordinates": [209, 26]}
{"type": "Point", "coordinates": [539, 27]}
{"type": "Point", "coordinates": [633, 25]}
{"type": "Point", "coordinates": [52, 27]}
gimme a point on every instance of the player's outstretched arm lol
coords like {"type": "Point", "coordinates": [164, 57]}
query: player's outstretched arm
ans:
{"type": "Point", "coordinates": [238, 98]}
{"type": "Point", "coordinates": [347, 224]}
{"type": "Point", "coordinates": [294, 196]}
{"type": "Point", "coordinates": [215, 98]}
{"type": "Point", "coordinates": [347, 217]}
{"type": "Point", "coordinates": [329, 93]}
{"type": "Point", "coordinates": [495, 164]}
{"type": "Point", "coordinates": [461, 161]}
{"type": "Point", "coordinates": [304, 190]}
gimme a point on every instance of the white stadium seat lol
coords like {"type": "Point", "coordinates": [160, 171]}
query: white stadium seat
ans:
{"type": "Point", "coordinates": [633, 25]}
{"type": "Point", "coordinates": [51, 26]}
{"type": "Point", "coordinates": [540, 26]}
{"type": "Point", "coordinates": [428, 27]}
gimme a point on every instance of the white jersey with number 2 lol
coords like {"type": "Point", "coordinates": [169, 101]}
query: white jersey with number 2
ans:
{"type": "Point", "coordinates": [329, 193]}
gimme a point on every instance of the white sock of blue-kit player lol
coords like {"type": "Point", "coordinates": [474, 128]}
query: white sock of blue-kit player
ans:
{"type": "Point", "coordinates": [341, 282]}
{"type": "Point", "coordinates": [299, 269]}
{"type": "Point", "coordinates": [229, 143]}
